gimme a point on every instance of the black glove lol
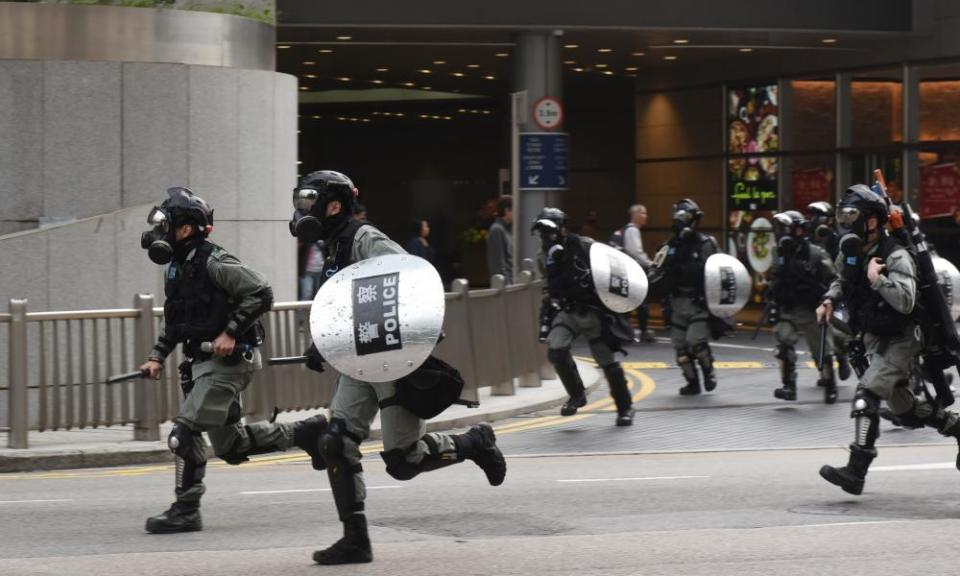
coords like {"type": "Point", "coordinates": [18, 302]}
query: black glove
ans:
{"type": "Point", "coordinates": [314, 359]}
{"type": "Point", "coordinates": [548, 310]}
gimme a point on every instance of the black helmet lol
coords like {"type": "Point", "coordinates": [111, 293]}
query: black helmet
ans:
{"type": "Point", "coordinates": [786, 223]}
{"type": "Point", "coordinates": [858, 204]}
{"type": "Point", "coordinates": [551, 219]}
{"type": "Point", "coordinates": [184, 207]}
{"type": "Point", "coordinates": [687, 212]}
{"type": "Point", "coordinates": [820, 208]}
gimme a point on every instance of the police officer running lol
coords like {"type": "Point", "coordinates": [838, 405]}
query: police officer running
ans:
{"type": "Point", "coordinates": [877, 285]}
{"type": "Point", "coordinates": [323, 202]}
{"type": "Point", "coordinates": [571, 308]}
{"type": "Point", "coordinates": [802, 275]}
{"type": "Point", "coordinates": [679, 271]}
{"type": "Point", "coordinates": [822, 227]}
{"type": "Point", "coordinates": [213, 304]}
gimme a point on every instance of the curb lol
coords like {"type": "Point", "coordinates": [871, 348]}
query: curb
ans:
{"type": "Point", "coordinates": [158, 453]}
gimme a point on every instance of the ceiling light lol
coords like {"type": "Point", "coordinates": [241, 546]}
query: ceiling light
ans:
{"type": "Point", "coordinates": [400, 114]}
{"type": "Point", "coordinates": [571, 45]}
{"type": "Point", "coordinates": [829, 40]}
{"type": "Point", "coordinates": [604, 50]}
{"type": "Point", "coordinates": [608, 72]}
{"type": "Point", "coordinates": [462, 110]}
{"type": "Point", "coordinates": [344, 78]}
{"type": "Point", "coordinates": [489, 77]}
{"type": "Point", "coordinates": [344, 38]}
{"type": "Point", "coordinates": [746, 49]}
{"type": "Point", "coordinates": [631, 68]}
{"type": "Point", "coordinates": [383, 69]}
{"type": "Point", "coordinates": [578, 69]}
{"type": "Point", "coordinates": [639, 54]}
{"type": "Point", "coordinates": [304, 88]}
{"type": "Point", "coordinates": [425, 71]}
{"type": "Point", "coordinates": [502, 54]}
{"type": "Point", "coordinates": [569, 61]}
{"type": "Point", "coordinates": [316, 116]}
{"type": "Point", "coordinates": [457, 74]}
{"type": "Point", "coordinates": [486, 111]}
{"type": "Point", "coordinates": [326, 51]}
{"type": "Point", "coordinates": [309, 75]}
{"type": "Point", "coordinates": [473, 65]}
{"type": "Point", "coordinates": [439, 62]}
{"type": "Point", "coordinates": [681, 41]}
{"type": "Point", "coordinates": [366, 119]}
{"type": "Point", "coordinates": [377, 81]}
{"type": "Point", "coordinates": [309, 63]}
{"type": "Point", "coordinates": [448, 117]}
{"type": "Point", "coordinates": [283, 47]}
{"type": "Point", "coordinates": [409, 84]}
{"type": "Point", "coordinates": [428, 87]}
{"type": "Point", "coordinates": [669, 57]}
{"type": "Point", "coordinates": [600, 65]}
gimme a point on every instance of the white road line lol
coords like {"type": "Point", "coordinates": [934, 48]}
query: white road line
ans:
{"type": "Point", "coordinates": [35, 501]}
{"type": "Point", "coordinates": [839, 524]}
{"type": "Point", "coordinates": [259, 492]}
{"type": "Point", "coordinates": [630, 479]}
{"type": "Point", "coordinates": [905, 467]}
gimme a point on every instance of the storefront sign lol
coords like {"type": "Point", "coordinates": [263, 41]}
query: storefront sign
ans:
{"type": "Point", "coordinates": [939, 190]}
{"type": "Point", "coordinates": [752, 130]}
{"type": "Point", "coordinates": [811, 185]}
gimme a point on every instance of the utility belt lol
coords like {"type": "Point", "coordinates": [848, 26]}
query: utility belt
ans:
{"type": "Point", "coordinates": [242, 352]}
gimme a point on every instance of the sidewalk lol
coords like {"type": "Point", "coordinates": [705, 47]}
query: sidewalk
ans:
{"type": "Point", "coordinates": [100, 447]}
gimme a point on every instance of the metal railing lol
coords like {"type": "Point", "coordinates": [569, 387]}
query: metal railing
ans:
{"type": "Point", "coordinates": [58, 361]}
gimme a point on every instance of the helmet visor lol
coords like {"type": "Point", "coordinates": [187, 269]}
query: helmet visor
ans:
{"type": "Point", "coordinates": [544, 225]}
{"type": "Point", "coordinates": [685, 217]}
{"type": "Point", "coordinates": [304, 198]}
{"type": "Point", "coordinates": [158, 218]}
{"type": "Point", "coordinates": [847, 215]}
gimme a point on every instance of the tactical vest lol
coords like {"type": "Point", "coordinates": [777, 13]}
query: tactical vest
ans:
{"type": "Point", "coordinates": [338, 250]}
{"type": "Point", "coordinates": [689, 258]}
{"type": "Point", "coordinates": [571, 275]}
{"type": "Point", "coordinates": [869, 312]}
{"type": "Point", "coordinates": [196, 309]}
{"type": "Point", "coordinates": [798, 279]}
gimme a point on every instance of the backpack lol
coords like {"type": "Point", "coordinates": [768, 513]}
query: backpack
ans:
{"type": "Point", "coordinates": [616, 239]}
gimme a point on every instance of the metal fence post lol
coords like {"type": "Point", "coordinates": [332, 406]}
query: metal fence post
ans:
{"type": "Point", "coordinates": [546, 369]}
{"type": "Point", "coordinates": [462, 287]}
{"type": "Point", "coordinates": [145, 425]}
{"type": "Point", "coordinates": [18, 416]}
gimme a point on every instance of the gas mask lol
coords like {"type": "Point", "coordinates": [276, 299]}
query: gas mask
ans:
{"type": "Point", "coordinates": [683, 224]}
{"type": "Point", "coordinates": [851, 220]}
{"type": "Point", "coordinates": [308, 203]}
{"type": "Point", "coordinates": [783, 230]}
{"type": "Point", "coordinates": [851, 250]}
{"type": "Point", "coordinates": [159, 241]}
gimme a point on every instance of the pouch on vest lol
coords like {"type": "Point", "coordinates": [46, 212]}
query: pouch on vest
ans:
{"type": "Point", "coordinates": [429, 390]}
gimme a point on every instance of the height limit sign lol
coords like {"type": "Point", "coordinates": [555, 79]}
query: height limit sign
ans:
{"type": "Point", "coordinates": [548, 113]}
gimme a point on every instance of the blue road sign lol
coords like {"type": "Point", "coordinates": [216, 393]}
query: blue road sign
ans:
{"type": "Point", "coordinates": [544, 160]}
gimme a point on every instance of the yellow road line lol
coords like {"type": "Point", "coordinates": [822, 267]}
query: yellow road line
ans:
{"type": "Point", "coordinates": [738, 364]}
{"type": "Point", "coordinates": [645, 365]}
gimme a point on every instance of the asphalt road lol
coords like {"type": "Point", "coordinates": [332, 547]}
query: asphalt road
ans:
{"type": "Point", "coordinates": [714, 485]}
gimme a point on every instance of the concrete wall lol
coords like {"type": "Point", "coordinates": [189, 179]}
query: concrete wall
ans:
{"type": "Point", "coordinates": [94, 137]}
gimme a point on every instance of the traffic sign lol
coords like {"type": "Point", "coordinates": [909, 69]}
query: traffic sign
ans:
{"type": "Point", "coordinates": [548, 113]}
{"type": "Point", "coordinates": [544, 160]}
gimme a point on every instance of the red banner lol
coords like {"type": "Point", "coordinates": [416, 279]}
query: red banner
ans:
{"type": "Point", "coordinates": [811, 185]}
{"type": "Point", "coordinates": [939, 190]}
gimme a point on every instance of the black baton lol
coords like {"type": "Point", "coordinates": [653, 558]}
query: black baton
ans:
{"type": "Point", "coordinates": [286, 360]}
{"type": "Point", "coordinates": [128, 376]}
{"type": "Point", "coordinates": [823, 345]}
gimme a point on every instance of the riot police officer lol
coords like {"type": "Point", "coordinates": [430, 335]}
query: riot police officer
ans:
{"type": "Point", "coordinates": [822, 230]}
{"type": "Point", "coordinates": [877, 285]}
{"type": "Point", "coordinates": [213, 304]}
{"type": "Point", "coordinates": [571, 308]}
{"type": "Point", "coordinates": [679, 272]}
{"type": "Point", "coordinates": [323, 203]}
{"type": "Point", "coordinates": [802, 275]}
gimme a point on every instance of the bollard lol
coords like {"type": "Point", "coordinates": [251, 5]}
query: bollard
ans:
{"type": "Point", "coordinates": [462, 287]}
{"type": "Point", "coordinates": [146, 427]}
{"type": "Point", "coordinates": [529, 369]}
{"type": "Point", "coordinates": [18, 416]}
{"type": "Point", "coordinates": [547, 371]}
{"type": "Point", "coordinates": [504, 388]}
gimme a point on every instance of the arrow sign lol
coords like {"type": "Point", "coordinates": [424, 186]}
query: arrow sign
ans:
{"type": "Point", "coordinates": [544, 160]}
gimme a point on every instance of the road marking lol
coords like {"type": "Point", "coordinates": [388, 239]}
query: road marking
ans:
{"type": "Point", "coordinates": [35, 501]}
{"type": "Point", "coordinates": [738, 364]}
{"type": "Point", "coordinates": [300, 491]}
{"type": "Point", "coordinates": [646, 365]}
{"type": "Point", "coordinates": [630, 479]}
{"type": "Point", "coordinates": [906, 467]}
{"type": "Point", "coordinates": [836, 524]}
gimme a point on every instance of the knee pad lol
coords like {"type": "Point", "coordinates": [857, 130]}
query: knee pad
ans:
{"type": "Point", "coordinates": [701, 349]}
{"type": "Point", "coordinates": [181, 441]}
{"type": "Point", "coordinates": [397, 465]}
{"type": "Point", "coordinates": [331, 441]}
{"type": "Point", "coordinates": [865, 404]}
{"type": "Point", "coordinates": [683, 357]}
{"type": "Point", "coordinates": [558, 355]}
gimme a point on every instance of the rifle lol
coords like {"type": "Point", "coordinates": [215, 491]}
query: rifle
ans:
{"type": "Point", "coordinates": [942, 343]}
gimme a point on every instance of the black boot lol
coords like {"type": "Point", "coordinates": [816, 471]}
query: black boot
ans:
{"type": "Point", "coordinates": [685, 361]}
{"type": "Point", "coordinates": [829, 390]}
{"type": "Point", "coordinates": [180, 517]}
{"type": "Point", "coordinates": [852, 476]}
{"type": "Point", "coordinates": [480, 445]}
{"type": "Point", "coordinates": [620, 392]}
{"type": "Point", "coordinates": [787, 392]}
{"type": "Point", "coordinates": [572, 404]}
{"type": "Point", "coordinates": [306, 436]}
{"type": "Point", "coordinates": [843, 366]}
{"type": "Point", "coordinates": [705, 359]}
{"type": "Point", "coordinates": [788, 372]}
{"type": "Point", "coordinates": [353, 548]}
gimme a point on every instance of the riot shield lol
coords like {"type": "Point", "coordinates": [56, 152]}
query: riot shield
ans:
{"type": "Point", "coordinates": [948, 277]}
{"type": "Point", "coordinates": [618, 279]}
{"type": "Point", "coordinates": [726, 285]}
{"type": "Point", "coordinates": [378, 320]}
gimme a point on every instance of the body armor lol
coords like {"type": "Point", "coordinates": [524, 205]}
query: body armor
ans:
{"type": "Point", "coordinates": [196, 309]}
{"type": "Point", "coordinates": [799, 281]}
{"type": "Point", "coordinates": [869, 312]}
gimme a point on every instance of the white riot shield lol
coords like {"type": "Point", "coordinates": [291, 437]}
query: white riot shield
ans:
{"type": "Point", "coordinates": [726, 285]}
{"type": "Point", "coordinates": [379, 319]}
{"type": "Point", "coordinates": [618, 279]}
{"type": "Point", "coordinates": [948, 277]}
